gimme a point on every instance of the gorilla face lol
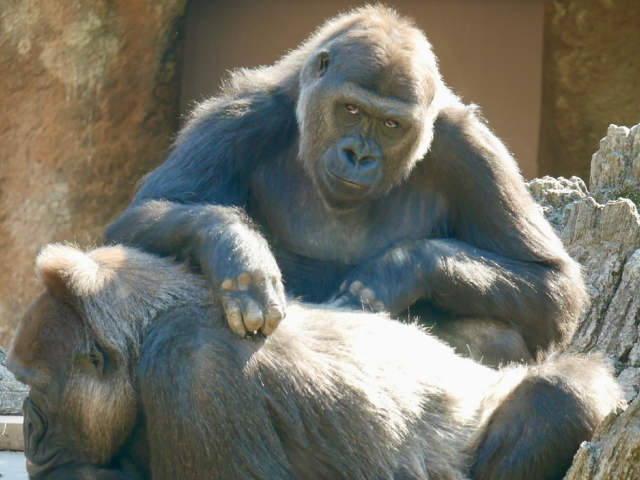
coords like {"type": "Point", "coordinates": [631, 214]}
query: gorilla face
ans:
{"type": "Point", "coordinates": [71, 378]}
{"type": "Point", "coordinates": [368, 131]}
{"type": "Point", "coordinates": [364, 114]}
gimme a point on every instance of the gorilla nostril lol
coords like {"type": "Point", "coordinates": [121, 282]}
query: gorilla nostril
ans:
{"type": "Point", "coordinates": [348, 156]}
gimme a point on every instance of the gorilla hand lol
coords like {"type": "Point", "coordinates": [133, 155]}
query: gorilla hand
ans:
{"type": "Point", "coordinates": [356, 293]}
{"type": "Point", "coordinates": [237, 259]}
{"type": "Point", "coordinates": [390, 282]}
{"type": "Point", "coordinates": [253, 301]}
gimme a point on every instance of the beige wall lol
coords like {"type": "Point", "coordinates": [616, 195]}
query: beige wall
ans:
{"type": "Point", "coordinates": [490, 51]}
{"type": "Point", "coordinates": [591, 80]}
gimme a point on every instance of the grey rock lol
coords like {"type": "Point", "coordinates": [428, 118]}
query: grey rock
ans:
{"type": "Point", "coordinates": [12, 392]}
{"type": "Point", "coordinates": [615, 167]}
{"type": "Point", "coordinates": [601, 229]}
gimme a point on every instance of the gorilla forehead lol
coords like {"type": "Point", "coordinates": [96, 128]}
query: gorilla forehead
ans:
{"type": "Point", "coordinates": [364, 65]}
{"type": "Point", "coordinates": [393, 59]}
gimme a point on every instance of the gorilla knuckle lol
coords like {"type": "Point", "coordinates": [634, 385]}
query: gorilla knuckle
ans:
{"type": "Point", "coordinates": [229, 284]}
{"type": "Point", "coordinates": [245, 280]}
{"type": "Point", "coordinates": [367, 295]}
{"type": "Point", "coordinates": [356, 287]}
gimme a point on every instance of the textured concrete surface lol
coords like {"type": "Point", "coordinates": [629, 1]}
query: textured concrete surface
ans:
{"type": "Point", "coordinates": [12, 466]}
{"type": "Point", "coordinates": [11, 436]}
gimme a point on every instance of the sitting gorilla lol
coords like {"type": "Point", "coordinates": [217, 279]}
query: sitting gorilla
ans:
{"type": "Point", "coordinates": [135, 374]}
{"type": "Point", "coordinates": [374, 185]}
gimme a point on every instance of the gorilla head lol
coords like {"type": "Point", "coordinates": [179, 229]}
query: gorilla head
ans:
{"type": "Point", "coordinates": [366, 105]}
{"type": "Point", "coordinates": [75, 373]}
{"type": "Point", "coordinates": [82, 405]}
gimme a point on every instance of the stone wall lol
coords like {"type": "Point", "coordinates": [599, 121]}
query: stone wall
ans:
{"type": "Point", "coordinates": [591, 72]}
{"type": "Point", "coordinates": [89, 95]}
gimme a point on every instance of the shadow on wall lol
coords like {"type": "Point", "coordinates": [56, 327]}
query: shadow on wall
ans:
{"type": "Point", "coordinates": [490, 52]}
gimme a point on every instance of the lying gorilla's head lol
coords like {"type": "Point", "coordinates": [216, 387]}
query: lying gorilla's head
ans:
{"type": "Point", "coordinates": [77, 349]}
{"type": "Point", "coordinates": [366, 106]}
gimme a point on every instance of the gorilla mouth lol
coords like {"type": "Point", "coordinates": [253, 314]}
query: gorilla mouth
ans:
{"type": "Point", "coordinates": [34, 427]}
{"type": "Point", "coordinates": [39, 459]}
{"type": "Point", "coordinates": [343, 180]}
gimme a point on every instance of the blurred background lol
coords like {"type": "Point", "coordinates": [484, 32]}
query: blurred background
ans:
{"type": "Point", "coordinates": [490, 52]}
{"type": "Point", "coordinates": [92, 93]}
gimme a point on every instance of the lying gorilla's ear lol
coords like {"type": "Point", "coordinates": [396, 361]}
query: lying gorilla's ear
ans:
{"type": "Point", "coordinates": [68, 272]}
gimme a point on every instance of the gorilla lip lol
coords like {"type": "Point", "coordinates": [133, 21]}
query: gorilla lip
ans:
{"type": "Point", "coordinates": [345, 181]}
{"type": "Point", "coordinates": [35, 428]}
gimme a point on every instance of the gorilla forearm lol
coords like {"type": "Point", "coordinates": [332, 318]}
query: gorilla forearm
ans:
{"type": "Point", "coordinates": [221, 242]}
{"type": "Point", "coordinates": [535, 299]}
{"type": "Point", "coordinates": [507, 263]}
{"type": "Point", "coordinates": [539, 301]}
{"type": "Point", "coordinates": [195, 233]}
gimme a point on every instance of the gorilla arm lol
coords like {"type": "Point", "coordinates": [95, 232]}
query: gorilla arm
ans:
{"type": "Point", "coordinates": [188, 207]}
{"type": "Point", "coordinates": [503, 262]}
{"type": "Point", "coordinates": [219, 240]}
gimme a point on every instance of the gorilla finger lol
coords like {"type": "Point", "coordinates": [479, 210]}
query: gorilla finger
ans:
{"type": "Point", "coordinates": [270, 293]}
{"type": "Point", "coordinates": [367, 295]}
{"type": "Point", "coordinates": [233, 313]}
{"type": "Point", "coordinates": [273, 304]}
{"type": "Point", "coordinates": [339, 302]}
{"type": "Point", "coordinates": [356, 287]}
{"type": "Point", "coordinates": [378, 306]}
{"type": "Point", "coordinates": [258, 276]}
{"type": "Point", "coordinates": [279, 290]}
{"type": "Point", "coordinates": [244, 281]}
{"type": "Point", "coordinates": [251, 313]}
{"type": "Point", "coordinates": [272, 319]}
{"type": "Point", "coordinates": [229, 285]}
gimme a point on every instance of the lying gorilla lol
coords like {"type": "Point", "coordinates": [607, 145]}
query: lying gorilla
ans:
{"type": "Point", "coordinates": [373, 184]}
{"type": "Point", "coordinates": [131, 378]}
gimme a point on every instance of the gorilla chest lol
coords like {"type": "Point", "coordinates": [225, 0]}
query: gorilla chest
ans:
{"type": "Point", "coordinates": [304, 227]}
{"type": "Point", "coordinates": [292, 214]}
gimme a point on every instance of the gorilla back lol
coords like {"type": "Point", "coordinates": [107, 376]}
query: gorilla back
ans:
{"type": "Point", "coordinates": [134, 374]}
{"type": "Point", "coordinates": [374, 185]}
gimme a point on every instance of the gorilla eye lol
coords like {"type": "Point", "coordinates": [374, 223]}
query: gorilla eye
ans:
{"type": "Point", "coordinates": [353, 110]}
{"type": "Point", "coordinates": [390, 123]}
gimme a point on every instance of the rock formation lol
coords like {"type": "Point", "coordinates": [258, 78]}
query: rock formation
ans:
{"type": "Point", "coordinates": [89, 95]}
{"type": "Point", "coordinates": [601, 229]}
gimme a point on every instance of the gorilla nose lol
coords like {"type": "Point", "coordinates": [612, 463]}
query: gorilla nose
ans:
{"type": "Point", "coordinates": [348, 156]}
{"type": "Point", "coordinates": [353, 152]}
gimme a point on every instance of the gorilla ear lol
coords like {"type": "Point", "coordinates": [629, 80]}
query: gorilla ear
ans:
{"type": "Point", "coordinates": [66, 271]}
{"type": "Point", "coordinates": [323, 63]}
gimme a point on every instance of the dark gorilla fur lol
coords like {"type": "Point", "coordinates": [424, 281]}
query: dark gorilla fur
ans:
{"type": "Point", "coordinates": [135, 374]}
{"type": "Point", "coordinates": [373, 184]}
